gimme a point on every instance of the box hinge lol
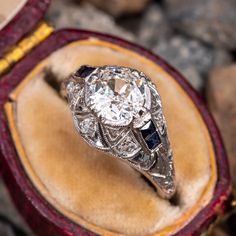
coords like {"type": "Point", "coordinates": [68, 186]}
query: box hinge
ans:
{"type": "Point", "coordinates": [24, 46]}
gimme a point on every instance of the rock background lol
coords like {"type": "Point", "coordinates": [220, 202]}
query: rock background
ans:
{"type": "Point", "coordinates": [196, 36]}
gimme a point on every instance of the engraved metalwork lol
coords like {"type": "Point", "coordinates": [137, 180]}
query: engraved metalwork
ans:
{"type": "Point", "coordinates": [119, 110]}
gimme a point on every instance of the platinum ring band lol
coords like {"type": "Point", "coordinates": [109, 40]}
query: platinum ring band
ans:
{"type": "Point", "coordinates": [118, 110]}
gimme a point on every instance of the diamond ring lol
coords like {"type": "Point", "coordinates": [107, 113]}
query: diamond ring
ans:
{"type": "Point", "coordinates": [118, 110]}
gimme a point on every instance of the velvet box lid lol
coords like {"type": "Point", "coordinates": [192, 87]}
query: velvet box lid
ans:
{"type": "Point", "coordinates": [63, 187]}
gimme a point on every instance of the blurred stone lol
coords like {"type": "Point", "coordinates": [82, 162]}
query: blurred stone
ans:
{"type": "Point", "coordinates": [185, 52]}
{"type": "Point", "coordinates": [217, 231]}
{"type": "Point", "coordinates": [6, 230]}
{"type": "Point", "coordinates": [8, 210]}
{"type": "Point", "coordinates": [64, 14]}
{"type": "Point", "coordinates": [191, 57]}
{"type": "Point", "coordinates": [232, 223]}
{"type": "Point", "coordinates": [131, 23]}
{"type": "Point", "coordinates": [222, 102]}
{"type": "Point", "coordinates": [154, 26]}
{"type": "Point", "coordinates": [213, 22]}
{"type": "Point", "coordinates": [120, 7]}
{"type": "Point", "coordinates": [221, 57]}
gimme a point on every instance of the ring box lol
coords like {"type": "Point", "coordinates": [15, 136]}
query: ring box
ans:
{"type": "Point", "coordinates": [63, 187]}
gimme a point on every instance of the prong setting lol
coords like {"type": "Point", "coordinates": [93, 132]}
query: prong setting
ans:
{"type": "Point", "coordinates": [119, 110]}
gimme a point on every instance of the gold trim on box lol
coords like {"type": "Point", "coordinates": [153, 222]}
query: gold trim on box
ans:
{"type": "Point", "coordinates": [24, 46]}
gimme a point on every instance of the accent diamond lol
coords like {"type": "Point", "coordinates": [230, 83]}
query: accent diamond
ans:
{"type": "Point", "coordinates": [143, 160]}
{"type": "Point", "coordinates": [88, 126]}
{"type": "Point", "coordinates": [89, 129]}
{"type": "Point", "coordinates": [127, 146]}
{"type": "Point", "coordinates": [160, 121]}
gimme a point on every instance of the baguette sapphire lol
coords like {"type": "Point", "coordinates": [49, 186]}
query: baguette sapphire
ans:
{"type": "Point", "coordinates": [84, 71]}
{"type": "Point", "coordinates": [150, 135]}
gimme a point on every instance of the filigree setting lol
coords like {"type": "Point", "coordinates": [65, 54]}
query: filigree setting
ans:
{"type": "Point", "coordinates": [119, 110]}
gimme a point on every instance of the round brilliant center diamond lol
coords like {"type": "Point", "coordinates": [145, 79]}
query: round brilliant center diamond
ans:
{"type": "Point", "coordinates": [117, 95]}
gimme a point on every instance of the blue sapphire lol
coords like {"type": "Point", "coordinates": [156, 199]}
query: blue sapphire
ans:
{"type": "Point", "coordinates": [84, 71]}
{"type": "Point", "coordinates": [150, 135]}
{"type": "Point", "coordinates": [153, 141]}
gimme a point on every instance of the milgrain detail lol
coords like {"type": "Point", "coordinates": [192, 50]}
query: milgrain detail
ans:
{"type": "Point", "coordinates": [119, 110]}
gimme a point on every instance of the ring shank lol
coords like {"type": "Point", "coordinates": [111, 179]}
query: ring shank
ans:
{"type": "Point", "coordinates": [160, 174]}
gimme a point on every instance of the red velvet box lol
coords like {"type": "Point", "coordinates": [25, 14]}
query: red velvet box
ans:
{"type": "Point", "coordinates": [63, 187]}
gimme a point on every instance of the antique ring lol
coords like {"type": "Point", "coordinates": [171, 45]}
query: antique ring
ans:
{"type": "Point", "coordinates": [118, 110]}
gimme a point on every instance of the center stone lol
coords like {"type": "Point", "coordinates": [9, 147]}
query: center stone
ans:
{"type": "Point", "coordinates": [117, 95]}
